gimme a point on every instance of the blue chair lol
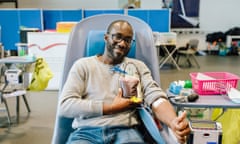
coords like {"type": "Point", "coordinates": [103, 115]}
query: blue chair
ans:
{"type": "Point", "coordinates": [87, 39]}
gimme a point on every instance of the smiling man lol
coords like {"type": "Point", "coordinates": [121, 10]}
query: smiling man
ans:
{"type": "Point", "coordinates": [93, 97]}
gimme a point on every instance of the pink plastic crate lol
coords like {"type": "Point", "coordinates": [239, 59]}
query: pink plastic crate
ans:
{"type": "Point", "coordinates": [220, 83]}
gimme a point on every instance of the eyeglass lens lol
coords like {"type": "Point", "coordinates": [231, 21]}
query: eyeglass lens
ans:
{"type": "Point", "coordinates": [119, 38]}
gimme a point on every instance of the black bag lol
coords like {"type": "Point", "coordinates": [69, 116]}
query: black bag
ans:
{"type": "Point", "coordinates": [233, 31]}
{"type": "Point", "coordinates": [216, 36]}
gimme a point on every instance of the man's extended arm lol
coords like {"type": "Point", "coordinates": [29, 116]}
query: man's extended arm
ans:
{"type": "Point", "coordinates": [166, 114]}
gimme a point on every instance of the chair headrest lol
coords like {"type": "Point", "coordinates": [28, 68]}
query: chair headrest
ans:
{"type": "Point", "coordinates": [96, 44]}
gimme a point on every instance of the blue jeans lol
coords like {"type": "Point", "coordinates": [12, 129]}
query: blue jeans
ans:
{"type": "Point", "coordinates": [105, 135]}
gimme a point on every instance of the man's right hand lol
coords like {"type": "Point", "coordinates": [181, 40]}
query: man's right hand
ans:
{"type": "Point", "coordinates": [119, 104]}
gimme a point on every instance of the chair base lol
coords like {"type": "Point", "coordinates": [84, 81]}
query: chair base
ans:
{"type": "Point", "coordinates": [188, 59]}
{"type": "Point", "coordinates": [5, 96]}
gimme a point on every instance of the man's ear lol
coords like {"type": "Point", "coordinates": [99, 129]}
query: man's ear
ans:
{"type": "Point", "coordinates": [106, 37]}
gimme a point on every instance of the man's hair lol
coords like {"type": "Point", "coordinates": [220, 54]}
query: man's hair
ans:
{"type": "Point", "coordinates": [117, 21]}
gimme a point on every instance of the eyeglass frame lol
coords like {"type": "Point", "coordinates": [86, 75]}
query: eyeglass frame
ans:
{"type": "Point", "coordinates": [119, 37]}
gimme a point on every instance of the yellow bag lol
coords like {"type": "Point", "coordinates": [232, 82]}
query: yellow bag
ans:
{"type": "Point", "coordinates": [41, 76]}
{"type": "Point", "coordinates": [230, 121]}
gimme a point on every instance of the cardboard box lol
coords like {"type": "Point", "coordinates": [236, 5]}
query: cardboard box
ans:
{"type": "Point", "coordinates": [65, 27]}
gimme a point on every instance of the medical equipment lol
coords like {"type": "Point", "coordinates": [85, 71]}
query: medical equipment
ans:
{"type": "Point", "coordinates": [205, 132]}
{"type": "Point", "coordinates": [13, 76]}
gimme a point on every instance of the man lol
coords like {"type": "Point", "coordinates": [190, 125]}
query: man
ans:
{"type": "Point", "coordinates": [93, 97]}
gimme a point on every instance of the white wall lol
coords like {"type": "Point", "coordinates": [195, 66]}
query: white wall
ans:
{"type": "Point", "coordinates": [68, 4]}
{"type": "Point", "coordinates": [76, 4]}
{"type": "Point", "coordinates": [219, 15]}
{"type": "Point", "coordinates": [151, 4]}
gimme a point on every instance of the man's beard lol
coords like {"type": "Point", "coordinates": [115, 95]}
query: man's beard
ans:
{"type": "Point", "coordinates": [116, 56]}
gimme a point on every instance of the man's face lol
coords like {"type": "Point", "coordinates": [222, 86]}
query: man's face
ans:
{"type": "Point", "coordinates": [119, 41]}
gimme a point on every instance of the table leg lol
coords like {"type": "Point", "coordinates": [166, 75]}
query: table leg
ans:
{"type": "Point", "coordinates": [165, 59]}
{"type": "Point", "coordinates": [17, 109]}
{"type": "Point", "coordinates": [169, 57]}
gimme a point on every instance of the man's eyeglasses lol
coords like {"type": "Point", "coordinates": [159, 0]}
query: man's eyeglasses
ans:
{"type": "Point", "coordinates": [118, 38]}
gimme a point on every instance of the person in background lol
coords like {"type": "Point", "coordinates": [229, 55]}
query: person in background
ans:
{"type": "Point", "coordinates": [93, 96]}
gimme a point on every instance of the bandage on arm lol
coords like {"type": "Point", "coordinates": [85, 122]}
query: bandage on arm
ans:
{"type": "Point", "coordinates": [158, 102]}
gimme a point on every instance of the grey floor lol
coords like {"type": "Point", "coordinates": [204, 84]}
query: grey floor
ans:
{"type": "Point", "coordinates": [37, 127]}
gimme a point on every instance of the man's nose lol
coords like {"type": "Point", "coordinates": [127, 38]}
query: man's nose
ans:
{"type": "Point", "coordinates": [123, 43]}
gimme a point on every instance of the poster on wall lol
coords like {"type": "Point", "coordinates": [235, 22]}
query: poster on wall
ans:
{"type": "Point", "coordinates": [167, 3]}
{"type": "Point", "coordinates": [185, 13]}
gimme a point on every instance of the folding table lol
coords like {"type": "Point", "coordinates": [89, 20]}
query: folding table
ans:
{"type": "Point", "coordinates": [164, 41]}
{"type": "Point", "coordinates": [18, 89]}
{"type": "Point", "coordinates": [169, 55]}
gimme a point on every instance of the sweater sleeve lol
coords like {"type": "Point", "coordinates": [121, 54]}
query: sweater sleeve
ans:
{"type": "Point", "coordinates": [73, 102]}
{"type": "Point", "coordinates": [151, 90]}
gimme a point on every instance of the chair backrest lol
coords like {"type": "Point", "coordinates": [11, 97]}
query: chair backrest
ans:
{"type": "Point", "coordinates": [1, 51]}
{"type": "Point", "coordinates": [193, 44]}
{"type": "Point", "coordinates": [143, 49]}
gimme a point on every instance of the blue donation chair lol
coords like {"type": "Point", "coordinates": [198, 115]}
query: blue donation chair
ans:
{"type": "Point", "coordinates": [87, 39]}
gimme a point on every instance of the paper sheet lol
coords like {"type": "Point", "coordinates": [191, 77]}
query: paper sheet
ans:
{"type": "Point", "coordinates": [234, 95]}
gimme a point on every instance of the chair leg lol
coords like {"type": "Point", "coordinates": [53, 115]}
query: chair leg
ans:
{"type": "Point", "coordinates": [8, 113]}
{"type": "Point", "coordinates": [18, 106]}
{"type": "Point", "coordinates": [188, 60]}
{"type": "Point", "coordinates": [26, 103]}
{"type": "Point", "coordinates": [195, 60]}
{"type": "Point", "coordinates": [177, 58]}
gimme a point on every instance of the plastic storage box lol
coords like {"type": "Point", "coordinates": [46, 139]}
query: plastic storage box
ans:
{"type": "Point", "coordinates": [205, 132]}
{"type": "Point", "coordinates": [213, 83]}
